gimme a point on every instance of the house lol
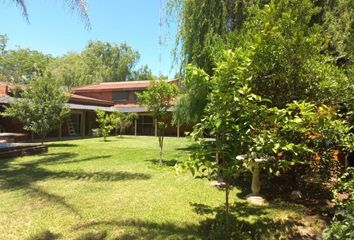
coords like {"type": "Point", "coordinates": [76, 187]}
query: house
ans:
{"type": "Point", "coordinates": [83, 101]}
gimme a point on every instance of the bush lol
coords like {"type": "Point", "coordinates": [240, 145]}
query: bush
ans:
{"type": "Point", "coordinates": [342, 226]}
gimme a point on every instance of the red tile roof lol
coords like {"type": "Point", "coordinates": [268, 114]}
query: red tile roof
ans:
{"type": "Point", "coordinates": [84, 99]}
{"type": "Point", "coordinates": [109, 86]}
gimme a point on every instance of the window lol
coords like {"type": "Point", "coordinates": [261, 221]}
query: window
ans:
{"type": "Point", "coordinates": [120, 96]}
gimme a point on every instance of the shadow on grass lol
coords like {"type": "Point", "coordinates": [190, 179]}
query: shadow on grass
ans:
{"type": "Point", "coordinates": [96, 235]}
{"type": "Point", "coordinates": [190, 148]}
{"type": "Point", "coordinates": [261, 226]}
{"type": "Point", "coordinates": [88, 159]}
{"type": "Point", "coordinates": [55, 145]}
{"type": "Point", "coordinates": [23, 176]}
{"type": "Point", "coordinates": [138, 229]}
{"type": "Point", "coordinates": [165, 163]}
{"type": "Point", "coordinates": [45, 235]}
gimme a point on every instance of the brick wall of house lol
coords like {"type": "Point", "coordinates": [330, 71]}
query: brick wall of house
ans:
{"type": "Point", "coordinates": [107, 96]}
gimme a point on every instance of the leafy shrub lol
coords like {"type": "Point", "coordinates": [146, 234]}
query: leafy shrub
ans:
{"type": "Point", "coordinates": [342, 226]}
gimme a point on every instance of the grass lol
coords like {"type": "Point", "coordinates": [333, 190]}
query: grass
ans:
{"type": "Point", "coordinates": [89, 189]}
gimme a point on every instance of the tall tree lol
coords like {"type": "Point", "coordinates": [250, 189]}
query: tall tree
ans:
{"type": "Point", "coordinates": [143, 73]}
{"type": "Point", "coordinates": [99, 62]}
{"type": "Point", "coordinates": [22, 65]}
{"type": "Point", "coordinates": [109, 62]}
{"type": "Point", "coordinates": [206, 27]}
{"type": "Point", "coordinates": [41, 106]}
{"type": "Point", "coordinates": [69, 70]}
{"type": "Point", "coordinates": [158, 99]}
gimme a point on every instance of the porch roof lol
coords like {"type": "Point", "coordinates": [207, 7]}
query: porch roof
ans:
{"type": "Point", "coordinates": [75, 106]}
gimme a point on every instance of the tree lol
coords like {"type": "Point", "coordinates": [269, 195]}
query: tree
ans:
{"type": "Point", "coordinates": [158, 99]}
{"type": "Point", "coordinates": [99, 62]}
{"type": "Point", "coordinates": [106, 123]}
{"type": "Point", "coordinates": [41, 106]}
{"type": "Point", "coordinates": [106, 62]}
{"type": "Point", "coordinates": [204, 27]}
{"type": "Point", "coordinates": [143, 73]}
{"type": "Point", "coordinates": [122, 121]}
{"type": "Point", "coordinates": [255, 98]}
{"type": "Point", "coordinates": [321, 35]}
{"type": "Point", "coordinates": [239, 122]}
{"type": "Point", "coordinates": [69, 70]}
{"type": "Point", "coordinates": [190, 105]}
{"type": "Point", "coordinates": [23, 65]}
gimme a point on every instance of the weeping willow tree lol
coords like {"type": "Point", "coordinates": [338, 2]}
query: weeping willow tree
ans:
{"type": "Point", "coordinates": [206, 27]}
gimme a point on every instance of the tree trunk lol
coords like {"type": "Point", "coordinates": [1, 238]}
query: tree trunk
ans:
{"type": "Point", "coordinates": [227, 205]}
{"type": "Point", "coordinates": [161, 147]}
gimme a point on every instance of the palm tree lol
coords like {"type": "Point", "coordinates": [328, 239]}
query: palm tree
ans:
{"type": "Point", "coordinates": [74, 5]}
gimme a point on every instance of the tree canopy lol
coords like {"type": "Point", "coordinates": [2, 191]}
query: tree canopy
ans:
{"type": "Point", "coordinates": [98, 62]}
{"type": "Point", "coordinates": [158, 98]}
{"type": "Point", "coordinates": [40, 107]}
{"type": "Point", "coordinates": [21, 65]}
{"type": "Point", "coordinates": [296, 53]}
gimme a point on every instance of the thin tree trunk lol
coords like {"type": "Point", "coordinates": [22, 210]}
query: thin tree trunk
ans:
{"type": "Point", "coordinates": [161, 147]}
{"type": "Point", "coordinates": [227, 193]}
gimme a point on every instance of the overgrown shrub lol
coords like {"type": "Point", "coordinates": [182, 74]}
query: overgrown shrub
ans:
{"type": "Point", "coordinates": [342, 226]}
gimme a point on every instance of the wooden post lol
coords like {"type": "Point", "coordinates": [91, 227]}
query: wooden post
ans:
{"type": "Point", "coordinates": [155, 128]}
{"type": "Point", "coordinates": [60, 130]}
{"type": "Point", "coordinates": [83, 121]}
{"type": "Point", "coordinates": [178, 129]}
{"type": "Point", "coordinates": [135, 127]}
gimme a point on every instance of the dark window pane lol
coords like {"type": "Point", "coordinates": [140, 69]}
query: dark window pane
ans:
{"type": "Point", "coordinates": [120, 96]}
{"type": "Point", "coordinates": [148, 120]}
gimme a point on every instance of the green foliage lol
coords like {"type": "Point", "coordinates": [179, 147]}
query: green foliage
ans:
{"type": "Point", "coordinates": [99, 62]}
{"type": "Point", "coordinates": [296, 45]}
{"type": "Point", "coordinates": [41, 106]}
{"type": "Point", "coordinates": [204, 24]}
{"type": "Point", "coordinates": [69, 70]}
{"type": "Point", "coordinates": [106, 123]}
{"type": "Point", "coordinates": [158, 98]}
{"type": "Point", "coordinates": [191, 103]}
{"type": "Point", "coordinates": [288, 63]}
{"type": "Point", "coordinates": [108, 62]}
{"type": "Point", "coordinates": [239, 122]}
{"type": "Point", "coordinates": [338, 21]}
{"type": "Point", "coordinates": [144, 73]}
{"type": "Point", "coordinates": [23, 65]}
{"type": "Point", "coordinates": [122, 121]}
{"type": "Point", "coordinates": [343, 221]}
{"type": "Point", "coordinates": [3, 43]}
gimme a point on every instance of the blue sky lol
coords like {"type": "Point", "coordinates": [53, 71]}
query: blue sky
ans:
{"type": "Point", "coordinates": [55, 29]}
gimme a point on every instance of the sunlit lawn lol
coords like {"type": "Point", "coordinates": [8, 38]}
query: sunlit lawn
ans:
{"type": "Point", "coordinates": [113, 190]}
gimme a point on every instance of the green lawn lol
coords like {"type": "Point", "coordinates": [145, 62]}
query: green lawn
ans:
{"type": "Point", "coordinates": [89, 189]}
